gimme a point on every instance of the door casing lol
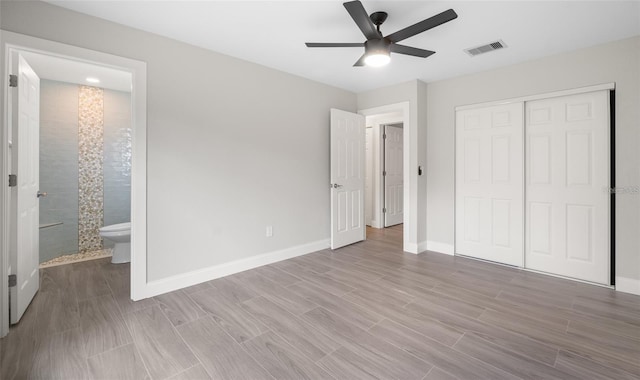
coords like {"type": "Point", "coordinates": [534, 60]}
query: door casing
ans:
{"type": "Point", "coordinates": [14, 42]}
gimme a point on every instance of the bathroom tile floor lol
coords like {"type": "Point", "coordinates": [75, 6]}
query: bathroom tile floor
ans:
{"type": "Point", "coordinates": [76, 258]}
{"type": "Point", "coordinates": [364, 311]}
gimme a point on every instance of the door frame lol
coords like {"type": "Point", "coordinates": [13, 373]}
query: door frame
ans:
{"type": "Point", "coordinates": [377, 162]}
{"type": "Point", "coordinates": [11, 42]}
{"type": "Point", "coordinates": [409, 219]}
{"type": "Point", "coordinates": [574, 91]}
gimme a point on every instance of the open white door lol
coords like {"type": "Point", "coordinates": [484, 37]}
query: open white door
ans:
{"type": "Point", "coordinates": [347, 178]}
{"type": "Point", "coordinates": [25, 103]}
{"type": "Point", "coordinates": [393, 176]}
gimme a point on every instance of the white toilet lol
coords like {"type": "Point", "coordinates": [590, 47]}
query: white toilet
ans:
{"type": "Point", "coordinates": [120, 234]}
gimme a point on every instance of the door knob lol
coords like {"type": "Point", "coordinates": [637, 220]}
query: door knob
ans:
{"type": "Point", "coordinates": [335, 186]}
{"type": "Point", "coordinates": [41, 194]}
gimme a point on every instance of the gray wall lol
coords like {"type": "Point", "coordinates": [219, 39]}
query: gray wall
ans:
{"type": "Point", "coordinates": [117, 158]}
{"type": "Point", "coordinates": [232, 146]}
{"type": "Point", "coordinates": [59, 164]}
{"type": "Point", "coordinates": [58, 168]}
{"type": "Point", "coordinates": [617, 62]}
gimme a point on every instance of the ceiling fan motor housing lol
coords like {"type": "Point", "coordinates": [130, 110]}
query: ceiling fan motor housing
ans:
{"type": "Point", "coordinates": [377, 46]}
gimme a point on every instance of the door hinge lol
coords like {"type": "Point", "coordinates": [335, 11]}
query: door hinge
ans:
{"type": "Point", "coordinates": [384, 136]}
{"type": "Point", "coordinates": [384, 172]}
{"type": "Point", "coordinates": [13, 280]}
{"type": "Point", "coordinates": [13, 180]}
{"type": "Point", "coordinates": [13, 80]}
{"type": "Point", "coordinates": [384, 209]}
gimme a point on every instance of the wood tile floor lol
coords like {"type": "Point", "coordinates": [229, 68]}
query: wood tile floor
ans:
{"type": "Point", "coordinates": [364, 311]}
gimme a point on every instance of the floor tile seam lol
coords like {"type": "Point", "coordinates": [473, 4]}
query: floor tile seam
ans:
{"type": "Point", "coordinates": [596, 362]}
{"type": "Point", "coordinates": [84, 332]}
{"type": "Point", "coordinates": [519, 314]}
{"type": "Point", "coordinates": [487, 363]}
{"type": "Point", "coordinates": [290, 346]}
{"type": "Point", "coordinates": [595, 346]}
{"type": "Point", "coordinates": [189, 369]}
{"type": "Point", "coordinates": [508, 331]}
{"type": "Point", "coordinates": [109, 350]}
{"type": "Point", "coordinates": [188, 296]}
{"type": "Point", "coordinates": [419, 334]}
{"type": "Point", "coordinates": [175, 331]}
{"type": "Point", "coordinates": [210, 317]}
{"type": "Point", "coordinates": [580, 350]}
{"type": "Point", "coordinates": [608, 330]}
{"type": "Point", "coordinates": [144, 364]}
{"type": "Point", "coordinates": [343, 300]}
{"type": "Point", "coordinates": [271, 298]}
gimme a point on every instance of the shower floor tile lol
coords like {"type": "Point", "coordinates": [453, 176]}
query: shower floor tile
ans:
{"type": "Point", "coordinates": [77, 257]}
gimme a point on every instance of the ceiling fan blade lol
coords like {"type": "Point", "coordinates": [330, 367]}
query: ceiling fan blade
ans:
{"type": "Point", "coordinates": [408, 50]}
{"type": "Point", "coordinates": [360, 62]}
{"type": "Point", "coordinates": [334, 44]}
{"type": "Point", "coordinates": [422, 26]}
{"type": "Point", "coordinates": [360, 16]}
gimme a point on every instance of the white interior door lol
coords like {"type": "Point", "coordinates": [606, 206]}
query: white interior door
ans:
{"type": "Point", "coordinates": [347, 178]}
{"type": "Point", "coordinates": [489, 183]}
{"type": "Point", "coordinates": [567, 177]}
{"type": "Point", "coordinates": [393, 176]}
{"type": "Point", "coordinates": [25, 161]}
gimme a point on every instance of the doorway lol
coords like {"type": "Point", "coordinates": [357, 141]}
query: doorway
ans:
{"type": "Point", "coordinates": [27, 48]}
{"type": "Point", "coordinates": [384, 174]}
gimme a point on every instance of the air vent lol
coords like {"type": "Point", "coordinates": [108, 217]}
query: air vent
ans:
{"type": "Point", "coordinates": [485, 48]}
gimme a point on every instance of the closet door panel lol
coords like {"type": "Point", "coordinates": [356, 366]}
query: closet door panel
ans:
{"type": "Point", "coordinates": [490, 183]}
{"type": "Point", "coordinates": [567, 174]}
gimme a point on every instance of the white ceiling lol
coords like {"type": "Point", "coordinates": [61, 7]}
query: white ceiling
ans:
{"type": "Point", "coordinates": [65, 70]}
{"type": "Point", "coordinates": [273, 33]}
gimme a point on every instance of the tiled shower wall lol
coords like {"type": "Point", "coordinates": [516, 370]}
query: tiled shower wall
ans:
{"type": "Point", "coordinates": [91, 185]}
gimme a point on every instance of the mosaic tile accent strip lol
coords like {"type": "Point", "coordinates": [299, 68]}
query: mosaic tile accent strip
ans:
{"type": "Point", "coordinates": [90, 161]}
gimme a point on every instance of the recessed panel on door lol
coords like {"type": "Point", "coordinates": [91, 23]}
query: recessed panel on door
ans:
{"type": "Point", "coordinates": [489, 183]}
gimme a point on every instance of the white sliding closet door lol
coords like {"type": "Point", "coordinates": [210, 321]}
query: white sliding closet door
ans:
{"type": "Point", "coordinates": [567, 203]}
{"type": "Point", "coordinates": [489, 183]}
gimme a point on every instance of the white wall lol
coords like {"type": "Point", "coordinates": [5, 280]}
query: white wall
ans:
{"type": "Point", "coordinates": [617, 62]}
{"type": "Point", "coordinates": [232, 146]}
{"type": "Point", "coordinates": [415, 93]}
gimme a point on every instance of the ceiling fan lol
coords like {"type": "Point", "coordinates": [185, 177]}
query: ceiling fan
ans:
{"type": "Point", "coordinates": [377, 48]}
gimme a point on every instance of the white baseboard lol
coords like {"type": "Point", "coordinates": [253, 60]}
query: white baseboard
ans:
{"type": "Point", "coordinates": [184, 280]}
{"type": "Point", "coordinates": [436, 246]}
{"type": "Point", "coordinates": [628, 285]}
{"type": "Point", "coordinates": [411, 248]}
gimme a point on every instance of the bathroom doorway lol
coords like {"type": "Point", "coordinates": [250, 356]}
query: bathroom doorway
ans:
{"type": "Point", "coordinates": [57, 56]}
{"type": "Point", "coordinates": [85, 157]}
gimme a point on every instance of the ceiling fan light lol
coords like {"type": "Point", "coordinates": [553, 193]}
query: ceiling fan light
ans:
{"type": "Point", "coordinates": [377, 59]}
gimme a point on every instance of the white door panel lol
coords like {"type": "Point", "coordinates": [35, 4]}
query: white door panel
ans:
{"type": "Point", "coordinates": [25, 160]}
{"type": "Point", "coordinates": [347, 178]}
{"type": "Point", "coordinates": [368, 197]}
{"type": "Point", "coordinates": [393, 176]}
{"type": "Point", "coordinates": [489, 183]}
{"type": "Point", "coordinates": [567, 177]}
